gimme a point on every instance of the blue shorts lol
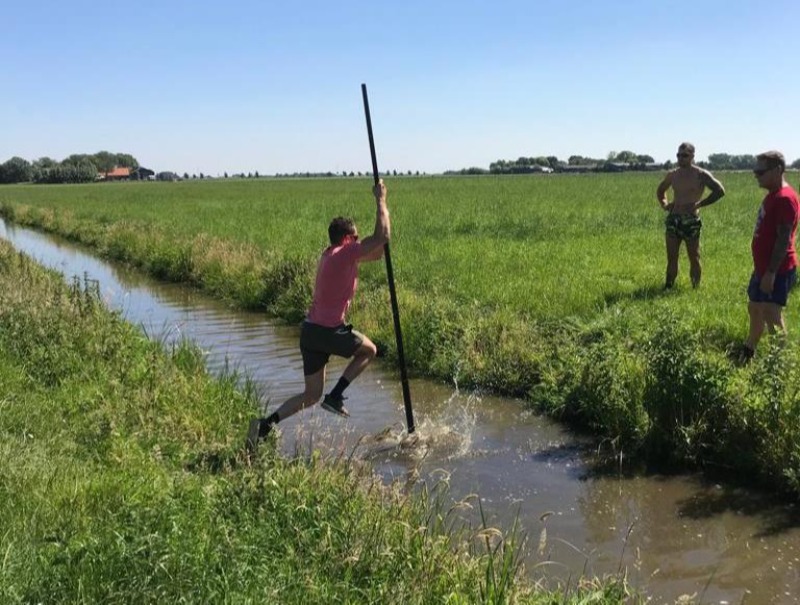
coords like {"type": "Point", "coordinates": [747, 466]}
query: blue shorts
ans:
{"type": "Point", "coordinates": [784, 282]}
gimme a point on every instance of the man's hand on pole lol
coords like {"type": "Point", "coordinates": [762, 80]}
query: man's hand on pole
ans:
{"type": "Point", "coordinates": [379, 191]}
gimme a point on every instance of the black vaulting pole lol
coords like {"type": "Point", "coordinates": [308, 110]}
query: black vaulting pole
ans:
{"type": "Point", "coordinates": [390, 276]}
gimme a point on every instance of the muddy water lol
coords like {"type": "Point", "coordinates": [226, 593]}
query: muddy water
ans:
{"type": "Point", "coordinates": [675, 536]}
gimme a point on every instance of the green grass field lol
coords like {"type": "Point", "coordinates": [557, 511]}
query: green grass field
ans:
{"type": "Point", "coordinates": [547, 288]}
{"type": "Point", "coordinates": [544, 247]}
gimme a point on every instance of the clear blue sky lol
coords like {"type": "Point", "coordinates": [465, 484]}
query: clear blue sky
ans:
{"type": "Point", "coordinates": [275, 86]}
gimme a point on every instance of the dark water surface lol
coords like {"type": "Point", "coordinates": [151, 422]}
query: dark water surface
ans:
{"type": "Point", "coordinates": [675, 535]}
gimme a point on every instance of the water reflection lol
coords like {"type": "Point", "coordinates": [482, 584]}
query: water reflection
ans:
{"type": "Point", "coordinates": [675, 535]}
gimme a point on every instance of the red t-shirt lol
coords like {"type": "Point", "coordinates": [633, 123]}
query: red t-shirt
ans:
{"type": "Point", "coordinates": [337, 278]}
{"type": "Point", "coordinates": [780, 207]}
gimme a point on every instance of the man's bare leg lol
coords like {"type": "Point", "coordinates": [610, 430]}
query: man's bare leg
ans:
{"type": "Point", "coordinates": [673, 248]}
{"type": "Point", "coordinates": [695, 269]}
{"type": "Point", "coordinates": [361, 359]}
{"type": "Point", "coordinates": [315, 383]}
{"type": "Point", "coordinates": [773, 318]}
{"type": "Point", "coordinates": [757, 324]}
{"type": "Point", "coordinates": [260, 427]}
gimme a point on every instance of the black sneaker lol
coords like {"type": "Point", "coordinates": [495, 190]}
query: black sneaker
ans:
{"type": "Point", "coordinates": [335, 405]}
{"type": "Point", "coordinates": [259, 428]}
{"type": "Point", "coordinates": [745, 355]}
{"type": "Point", "coordinates": [740, 355]}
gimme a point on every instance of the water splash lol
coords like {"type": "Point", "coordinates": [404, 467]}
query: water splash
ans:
{"type": "Point", "coordinates": [445, 436]}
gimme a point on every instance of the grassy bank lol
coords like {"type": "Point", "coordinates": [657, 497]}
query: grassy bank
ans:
{"type": "Point", "coordinates": [123, 482]}
{"type": "Point", "coordinates": [547, 288]}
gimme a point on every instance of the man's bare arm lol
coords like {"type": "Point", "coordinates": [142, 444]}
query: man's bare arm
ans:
{"type": "Point", "coordinates": [661, 192]}
{"type": "Point", "coordinates": [783, 234]}
{"type": "Point", "coordinates": [717, 191]}
{"type": "Point", "coordinates": [376, 254]}
{"type": "Point", "coordinates": [372, 246]}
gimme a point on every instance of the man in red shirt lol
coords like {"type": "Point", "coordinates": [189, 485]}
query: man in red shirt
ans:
{"type": "Point", "coordinates": [774, 255]}
{"type": "Point", "coordinates": [324, 332]}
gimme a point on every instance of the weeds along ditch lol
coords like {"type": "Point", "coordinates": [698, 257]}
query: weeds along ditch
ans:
{"type": "Point", "coordinates": [546, 288]}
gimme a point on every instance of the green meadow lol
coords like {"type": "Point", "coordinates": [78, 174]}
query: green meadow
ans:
{"type": "Point", "coordinates": [547, 288]}
{"type": "Point", "coordinates": [124, 481]}
{"type": "Point", "coordinates": [543, 247]}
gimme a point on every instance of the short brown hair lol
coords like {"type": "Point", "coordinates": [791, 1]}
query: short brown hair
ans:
{"type": "Point", "coordinates": [339, 228]}
{"type": "Point", "coordinates": [686, 147]}
{"type": "Point", "coordinates": [772, 159]}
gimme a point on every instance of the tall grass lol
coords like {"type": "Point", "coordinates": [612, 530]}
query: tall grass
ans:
{"type": "Point", "coordinates": [123, 481]}
{"type": "Point", "coordinates": [546, 288]}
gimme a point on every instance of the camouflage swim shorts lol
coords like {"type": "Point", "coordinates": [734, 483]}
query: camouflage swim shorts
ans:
{"type": "Point", "coordinates": [683, 226]}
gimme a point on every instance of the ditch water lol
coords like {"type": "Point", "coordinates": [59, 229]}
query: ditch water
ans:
{"type": "Point", "coordinates": [674, 535]}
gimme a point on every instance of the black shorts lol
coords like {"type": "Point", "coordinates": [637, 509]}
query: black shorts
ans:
{"type": "Point", "coordinates": [318, 343]}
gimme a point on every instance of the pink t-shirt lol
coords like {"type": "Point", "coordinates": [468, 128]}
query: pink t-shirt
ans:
{"type": "Point", "coordinates": [337, 278]}
{"type": "Point", "coordinates": [779, 207]}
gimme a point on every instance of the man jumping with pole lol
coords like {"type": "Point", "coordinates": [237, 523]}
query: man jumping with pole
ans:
{"type": "Point", "coordinates": [324, 332]}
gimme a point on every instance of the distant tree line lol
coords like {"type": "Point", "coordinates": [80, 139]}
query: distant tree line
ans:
{"type": "Point", "coordinates": [613, 162]}
{"type": "Point", "coordinates": [345, 173]}
{"type": "Point", "coordinates": [725, 161]}
{"type": "Point", "coordinates": [85, 168]}
{"type": "Point", "coordinates": [77, 168]}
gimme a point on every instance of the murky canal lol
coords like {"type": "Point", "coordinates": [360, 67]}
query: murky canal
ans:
{"type": "Point", "coordinates": [675, 536]}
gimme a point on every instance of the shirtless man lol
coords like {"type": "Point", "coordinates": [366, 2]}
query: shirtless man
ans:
{"type": "Point", "coordinates": [688, 183]}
